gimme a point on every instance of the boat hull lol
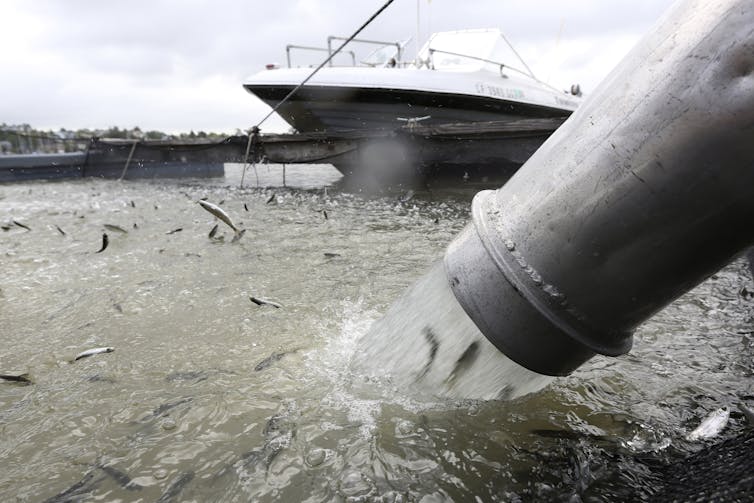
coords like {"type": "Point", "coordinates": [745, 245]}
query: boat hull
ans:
{"type": "Point", "coordinates": [318, 108]}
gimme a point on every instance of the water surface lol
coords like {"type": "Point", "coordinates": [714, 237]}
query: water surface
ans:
{"type": "Point", "coordinates": [209, 397]}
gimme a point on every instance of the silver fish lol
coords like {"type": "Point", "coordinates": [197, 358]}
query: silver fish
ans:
{"type": "Point", "coordinates": [15, 375]}
{"type": "Point", "coordinates": [712, 425]}
{"type": "Point", "coordinates": [219, 213]}
{"type": "Point", "coordinates": [261, 302]}
{"type": "Point", "coordinates": [115, 228]}
{"type": "Point", "coordinates": [94, 351]}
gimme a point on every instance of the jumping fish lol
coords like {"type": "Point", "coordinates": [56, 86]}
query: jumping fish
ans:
{"type": "Point", "coordinates": [105, 241]}
{"type": "Point", "coordinates": [94, 351]}
{"type": "Point", "coordinates": [238, 235]}
{"type": "Point", "coordinates": [272, 198]}
{"type": "Point", "coordinates": [261, 302]}
{"type": "Point", "coordinates": [434, 345]}
{"type": "Point", "coordinates": [245, 207]}
{"type": "Point", "coordinates": [463, 363]}
{"type": "Point", "coordinates": [115, 228]}
{"type": "Point", "coordinates": [21, 225]}
{"type": "Point", "coordinates": [324, 212]}
{"type": "Point", "coordinates": [219, 213]}
{"type": "Point", "coordinates": [60, 230]}
{"type": "Point", "coordinates": [712, 425]}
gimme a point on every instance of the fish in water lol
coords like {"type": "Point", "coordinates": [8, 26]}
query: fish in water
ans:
{"type": "Point", "coordinates": [60, 230]}
{"type": "Point", "coordinates": [265, 302]}
{"type": "Point", "coordinates": [331, 255]}
{"type": "Point", "coordinates": [434, 345]}
{"type": "Point", "coordinates": [712, 425]}
{"type": "Point", "coordinates": [115, 228]}
{"type": "Point", "coordinates": [121, 478]}
{"type": "Point", "coordinates": [133, 205]}
{"type": "Point", "coordinates": [176, 487]}
{"type": "Point", "coordinates": [94, 351]}
{"type": "Point", "coordinates": [272, 198]}
{"type": "Point", "coordinates": [179, 229]}
{"type": "Point", "coordinates": [219, 213]}
{"type": "Point", "coordinates": [21, 225]}
{"type": "Point", "coordinates": [245, 207]}
{"type": "Point", "coordinates": [463, 363]}
{"type": "Point", "coordinates": [747, 412]}
{"type": "Point", "coordinates": [105, 241]}
{"type": "Point", "coordinates": [213, 231]}
{"type": "Point", "coordinates": [162, 409]}
{"type": "Point", "coordinates": [78, 490]}
{"type": "Point", "coordinates": [16, 376]}
{"type": "Point", "coordinates": [267, 362]}
{"type": "Point", "coordinates": [324, 212]}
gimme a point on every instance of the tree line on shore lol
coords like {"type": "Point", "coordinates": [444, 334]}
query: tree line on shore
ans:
{"type": "Point", "coordinates": [24, 139]}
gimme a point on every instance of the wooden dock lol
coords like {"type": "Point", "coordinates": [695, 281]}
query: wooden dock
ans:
{"type": "Point", "coordinates": [407, 153]}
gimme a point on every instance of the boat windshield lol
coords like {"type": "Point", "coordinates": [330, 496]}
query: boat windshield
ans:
{"type": "Point", "coordinates": [467, 50]}
{"type": "Point", "coordinates": [388, 55]}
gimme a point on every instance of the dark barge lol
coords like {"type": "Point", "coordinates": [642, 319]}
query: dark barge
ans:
{"type": "Point", "coordinates": [409, 153]}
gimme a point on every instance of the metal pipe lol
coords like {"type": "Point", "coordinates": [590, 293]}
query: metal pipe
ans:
{"type": "Point", "coordinates": [642, 194]}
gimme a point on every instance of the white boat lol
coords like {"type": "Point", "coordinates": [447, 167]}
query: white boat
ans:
{"type": "Point", "coordinates": [457, 77]}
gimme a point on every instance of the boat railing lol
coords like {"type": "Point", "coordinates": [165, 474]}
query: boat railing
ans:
{"type": "Point", "coordinates": [398, 45]}
{"type": "Point", "coordinates": [502, 66]}
{"type": "Point", "coordinates": [310, 48]}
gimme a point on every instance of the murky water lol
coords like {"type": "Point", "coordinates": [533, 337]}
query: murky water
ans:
{"type": "Point", "coordinates": [209, 397]}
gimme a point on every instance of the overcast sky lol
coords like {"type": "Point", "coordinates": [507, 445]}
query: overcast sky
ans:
{"type": "Point", "coordinates": [178, 65]}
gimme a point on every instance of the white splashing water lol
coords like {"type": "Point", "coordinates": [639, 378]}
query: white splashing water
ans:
{"type": "Point", "coordinates": [427, 346]}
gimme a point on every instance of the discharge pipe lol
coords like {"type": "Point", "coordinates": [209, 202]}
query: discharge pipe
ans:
{"type": "Point", "coordinates": [642, 194]}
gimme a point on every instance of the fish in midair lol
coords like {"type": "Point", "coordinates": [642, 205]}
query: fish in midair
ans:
{"type": "Point", "coordinates": [105, 241]}
{"type": "Point", "coordinates": [272, 198]}
{"type": "Point", "coordinates": [219, 213]}
{"type": "Point", "coordinates": [245, 207]}
{"type": "Point", "coordinates": [22, 225]}
{"type": "Point", "coordinates": [93, 351]}
{"type": "Point", "coordinates": [115, 228]}
{"type": "Point", "coordinates": [60, 230]}
{"type": "Point", "coordinates": [712, 425]}
{"type": "Point", "coordinates": [265, 302]}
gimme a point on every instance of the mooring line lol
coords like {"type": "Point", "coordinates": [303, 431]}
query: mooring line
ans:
{"type": "Point", "coordinates": [295, 89]}
{"type": "Point", "coordinates": [385, 6]}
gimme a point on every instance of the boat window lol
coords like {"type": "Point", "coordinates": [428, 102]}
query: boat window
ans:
{"type": "Point", "coordinates": [382, 56]}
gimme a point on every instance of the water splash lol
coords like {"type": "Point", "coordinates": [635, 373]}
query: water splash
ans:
{"type": "Point", "coordinates": [427, 344]}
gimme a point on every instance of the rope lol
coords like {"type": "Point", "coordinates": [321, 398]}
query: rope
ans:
{"type": "Point", "coordinates": [385, 6]}
{"type": "Point", "coordinates": [128, 161]}
{"type": "Point", "coordinates": [254, 133]}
